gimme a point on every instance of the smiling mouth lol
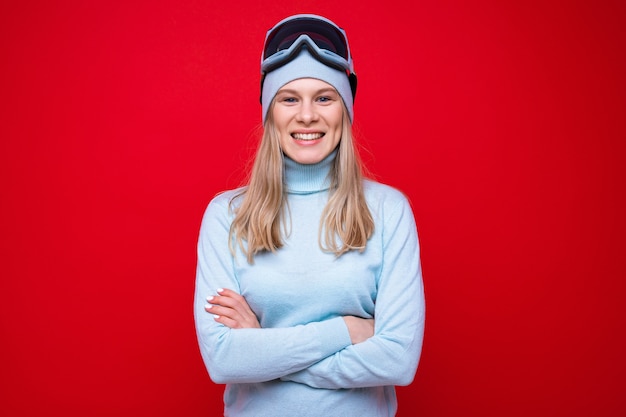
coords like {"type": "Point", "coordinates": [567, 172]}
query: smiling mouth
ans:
{"type": "Point", "coordinates": [307, 136]}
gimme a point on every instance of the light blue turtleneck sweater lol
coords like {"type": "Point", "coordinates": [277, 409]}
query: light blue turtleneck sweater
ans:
{"type": "Point", "coordinates": [301, 362]}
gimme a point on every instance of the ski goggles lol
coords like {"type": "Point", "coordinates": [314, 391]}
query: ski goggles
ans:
{"type": "Point", "coordinates": [326, 41]}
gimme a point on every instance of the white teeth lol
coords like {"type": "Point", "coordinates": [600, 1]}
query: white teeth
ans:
{"type": "Point", "coordinates": [307, 136]}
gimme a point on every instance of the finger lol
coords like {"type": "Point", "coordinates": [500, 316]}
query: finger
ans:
{"type": "Point", "coordinates": [226, 321]}
{"type": "Point", "coordinates": [234, 318]}
{"type": "Point", "coordinates": [227, 312]}
{"type": "Point", "coordinates": [228, 298]}
{"type": "Point", "coordinates": [232, 295]}
{"type": "Point", "coordinates": [231, 317]}
{"type": "Point", "coordinates": [223, 301]}
{"type": "Point", "coordinates": [225, 296]}
{"type": "Point", "coordinates": [234, 307]}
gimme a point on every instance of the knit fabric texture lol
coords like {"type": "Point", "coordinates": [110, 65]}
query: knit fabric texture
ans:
{"type": "Point", "coordinates": [301, 362]}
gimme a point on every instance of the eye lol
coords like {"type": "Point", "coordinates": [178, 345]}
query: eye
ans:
{"type": "Point", "coordinates": [324, 99]}
{"type": "Point", "coordinates": [288, 99]}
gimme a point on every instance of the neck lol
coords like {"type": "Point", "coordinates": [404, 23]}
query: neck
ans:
{"type": "Point", "coordinates": [308, 178]}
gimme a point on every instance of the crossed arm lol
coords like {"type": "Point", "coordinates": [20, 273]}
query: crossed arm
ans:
{"type": "Point", "coordinates": [232, 310]}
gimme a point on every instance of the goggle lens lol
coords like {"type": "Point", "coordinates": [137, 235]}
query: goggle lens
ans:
{"type": "Point", "coordinates": [325, 36]}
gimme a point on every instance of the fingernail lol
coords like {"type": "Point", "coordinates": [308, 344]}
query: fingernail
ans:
{"type": "Point", "coordinates": [209, 298]}
{"type": "Point", "coordinates": [220, 289]}
{"type": "Point", "coordinates": [215, 316]}
{"type": "Point", "coordinates": [207, 306]}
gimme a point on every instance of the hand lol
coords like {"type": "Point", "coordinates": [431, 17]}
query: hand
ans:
{"type": "Point", "coordinates": [360, 329]}
{"type": "Point", "coordinates": [232, 310]}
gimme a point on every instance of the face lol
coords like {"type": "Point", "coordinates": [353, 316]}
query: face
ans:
{"type": "Point", "coordinates": [308, 115]}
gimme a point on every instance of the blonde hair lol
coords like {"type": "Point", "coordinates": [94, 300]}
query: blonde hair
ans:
{"type": "Point", "coordinates": [260, 220]}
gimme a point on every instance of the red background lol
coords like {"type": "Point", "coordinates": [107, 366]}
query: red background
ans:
{"type": "Point", "coordinates": [502, 121]}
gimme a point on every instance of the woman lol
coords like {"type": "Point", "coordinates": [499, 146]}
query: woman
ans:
{"type": "Point", "coordinates": [309, 297]}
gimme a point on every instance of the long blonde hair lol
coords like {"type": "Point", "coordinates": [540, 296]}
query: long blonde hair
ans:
{"type": "Point", "coordinates": [260, 220]}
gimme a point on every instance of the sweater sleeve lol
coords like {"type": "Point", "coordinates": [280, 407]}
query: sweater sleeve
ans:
{"type": "Point", "coordinates": [391, 356]}
{"type": "Point", "coordinates": [249, 355]}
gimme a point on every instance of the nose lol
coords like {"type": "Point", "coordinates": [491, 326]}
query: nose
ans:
{"type": "Point", "coordinates": [306, 113]}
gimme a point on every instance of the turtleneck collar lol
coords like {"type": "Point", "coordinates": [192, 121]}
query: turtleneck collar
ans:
{"type": "Point", "coordinates": [309, 178]}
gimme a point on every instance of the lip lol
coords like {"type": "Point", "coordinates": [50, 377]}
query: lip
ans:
{"type": "Point", "coordinates": [306, 136]}
{"type": "Point", "coordinates": [308, 139]}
